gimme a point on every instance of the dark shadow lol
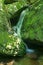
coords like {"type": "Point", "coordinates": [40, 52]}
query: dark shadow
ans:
{"type": "Point", "coordinates": [14, 19]}
{"type": "Point", "coordinates": [35, 44]}
{"type": "Point", "coordinates": [9, 1]}
{"type": "Point", "coordinates": [7, 58]}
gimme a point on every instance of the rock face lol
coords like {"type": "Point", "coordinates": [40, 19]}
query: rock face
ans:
{"type": "Point", "coordinates": [32, 27]}
{"type": "Point", "coordinates": [10, 44]}
{"type": "Point", "coordinates": [14, 7]}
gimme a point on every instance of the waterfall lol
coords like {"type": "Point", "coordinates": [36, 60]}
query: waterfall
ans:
{"type": "Point", "coordinates": [17, 29]}
{"type": "Point", "coordinates": [18, 26]}
{"type": "Point", "coordinates": [29, 50]}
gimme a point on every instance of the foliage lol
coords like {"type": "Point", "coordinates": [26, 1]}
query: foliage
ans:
{"type": "Point", "coordinates": [29, 26]}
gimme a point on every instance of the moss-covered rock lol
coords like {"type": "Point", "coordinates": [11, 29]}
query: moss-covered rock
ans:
{"type": "Point", "coordinates": [33, 23]}
{"type": "Point", "coordinates": [14, 7]}
{"type": "Point", "coordinates": [11, 45]}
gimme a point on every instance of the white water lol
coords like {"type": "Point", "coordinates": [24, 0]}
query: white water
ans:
{"type": "Point", "coordinates": [17, 30]}
{"type": "Point", "coordinates": [29, 50]}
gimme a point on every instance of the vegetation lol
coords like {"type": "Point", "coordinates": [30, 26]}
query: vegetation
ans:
{"type": "Point", "coordinates": [29, 24]}
{"type": "Point", "coordinates": [10, 44]}
{"type": "Point", "coordinates": [33, 22]}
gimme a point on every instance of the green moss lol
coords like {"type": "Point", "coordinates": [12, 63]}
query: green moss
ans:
{"type": "Point", "coordinates": [14, 7]}
{"type": "Point", "coordinates": [33, 23]}
{"type": "Point", "coordinates": [11, 45]}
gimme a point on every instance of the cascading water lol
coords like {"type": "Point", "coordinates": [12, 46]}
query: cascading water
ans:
{"type": "Point", "coordinates": [17, 29]}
